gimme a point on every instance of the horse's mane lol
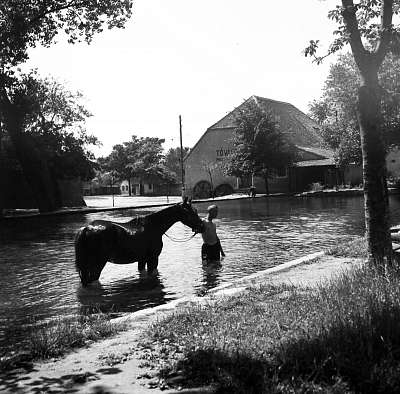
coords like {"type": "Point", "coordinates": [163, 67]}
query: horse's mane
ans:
{"type": "Point", "coordinates": [142, 220]}
{"type": "Point", "coordinates": [138, 221]}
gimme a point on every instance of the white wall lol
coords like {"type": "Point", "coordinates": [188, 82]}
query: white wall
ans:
{"type": "Point", "coordinates": [209, 153]}
{"type": "Point", "coordinates": [393, 162]}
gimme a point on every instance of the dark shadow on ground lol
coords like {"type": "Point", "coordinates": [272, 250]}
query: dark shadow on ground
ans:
{"type": "Point", "coordinates": [16, 381]}
{"type": "Point", "coordinates": [109, 371]}
{"type": "Point", "coordinates": [231, 374]}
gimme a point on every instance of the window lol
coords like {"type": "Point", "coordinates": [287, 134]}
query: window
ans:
{"type": "Point", "coordinates": [150, 186]}
{"type": "Point", "coordinates": [279, 172]}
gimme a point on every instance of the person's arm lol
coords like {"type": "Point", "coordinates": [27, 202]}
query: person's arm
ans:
{"type": "Point", "coordinates": [220, 248]}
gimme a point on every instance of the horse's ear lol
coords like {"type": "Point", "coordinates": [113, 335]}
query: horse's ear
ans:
{"type": "Point", "coordinates": [190, 201]}
{"type": "Point", "coordinates": [185, 200]}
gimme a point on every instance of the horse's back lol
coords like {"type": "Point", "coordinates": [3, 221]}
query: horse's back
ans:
{"type": "Point", "coordinates": [114, 242]}
{"type": "Point", "coordinates": [131, 229]}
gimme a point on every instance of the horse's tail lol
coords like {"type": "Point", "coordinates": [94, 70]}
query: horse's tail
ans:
{"type": "Point", "coordinates": [82, 254]}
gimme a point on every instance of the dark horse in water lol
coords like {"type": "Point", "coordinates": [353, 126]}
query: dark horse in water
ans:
{"type": "Point", "coordinates": [122, 243]}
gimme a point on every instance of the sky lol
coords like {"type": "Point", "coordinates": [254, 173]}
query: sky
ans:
{"type": "Point", "coordinates": [197, 59]}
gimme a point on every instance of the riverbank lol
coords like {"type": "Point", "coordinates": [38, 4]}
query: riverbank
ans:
{"type": "Point", "coordinates": [123, 364]}
{"type": "Point", "coordinates": [116, 203]}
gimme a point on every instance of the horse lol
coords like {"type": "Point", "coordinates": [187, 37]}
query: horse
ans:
{"type": "Point", "coordinates": [139, 240]}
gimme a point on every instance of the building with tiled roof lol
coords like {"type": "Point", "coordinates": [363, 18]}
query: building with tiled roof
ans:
{"type": "Point", "coordinates": [203, 164]}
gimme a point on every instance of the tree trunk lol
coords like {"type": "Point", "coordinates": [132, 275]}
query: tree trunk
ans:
{"type": "Point", "coordinates": [129, 186]}
{"type": "Point", "coordinates": [35, 168]}
{"type": "Point", "coordinates": [376, 201]}
{"type": "Point", "coordinates": [2, 174]}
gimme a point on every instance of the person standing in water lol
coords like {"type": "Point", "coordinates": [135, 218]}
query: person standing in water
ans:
{"type": "Point", "coordinates": [211, 249]}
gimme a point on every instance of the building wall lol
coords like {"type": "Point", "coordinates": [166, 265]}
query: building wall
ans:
{"type": "Point", "coordinates": [393, 162]}
{"type": "Point", "coordinates": [208, 156]}
{"type": "Point", "coordinates": [353, 175]}
{"type": "Point", "coordinates": [154, 189]}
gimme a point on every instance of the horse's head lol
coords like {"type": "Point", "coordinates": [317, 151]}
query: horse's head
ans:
{"type": "Point", "coordinates": [189, 217]}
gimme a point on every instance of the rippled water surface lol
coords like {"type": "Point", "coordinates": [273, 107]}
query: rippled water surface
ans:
{"type": "Point", "coordinates": [39, 282]}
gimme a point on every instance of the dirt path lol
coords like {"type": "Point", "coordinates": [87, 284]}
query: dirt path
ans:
{"type": "Point", "coordinates": [114, 365]}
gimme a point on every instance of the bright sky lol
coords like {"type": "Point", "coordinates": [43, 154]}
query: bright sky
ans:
{"type": "Point", "coordinates": [198, 59]}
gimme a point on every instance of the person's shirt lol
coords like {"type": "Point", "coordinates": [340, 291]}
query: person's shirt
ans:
{"type": "Point", "coordinates": [210, 232]}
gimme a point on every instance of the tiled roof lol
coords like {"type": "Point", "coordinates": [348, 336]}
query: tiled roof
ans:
{"type": "Point", "coordinates": [325, 153]}
{"type": "Point", "coordinates": [299, 127]}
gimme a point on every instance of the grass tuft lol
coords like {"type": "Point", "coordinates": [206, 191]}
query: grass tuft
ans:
{"type": "Point", "coordinates": [57, 337]}
{"type": "Point", "coordinates": [356, 248]}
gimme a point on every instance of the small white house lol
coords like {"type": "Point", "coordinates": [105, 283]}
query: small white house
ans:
{"type": "Point", "coordinates": [124, 187]}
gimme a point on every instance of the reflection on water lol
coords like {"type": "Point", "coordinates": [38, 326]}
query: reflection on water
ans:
{"type": "Point", "coordinates": [39, 282]}
{"type": "Point", "coordinates": [211, 276]}
{"type": "Point", "coordinates": [123, 295]}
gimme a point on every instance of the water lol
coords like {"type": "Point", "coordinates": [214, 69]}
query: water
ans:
{"type": "Point", "coordinates": [39, 282]}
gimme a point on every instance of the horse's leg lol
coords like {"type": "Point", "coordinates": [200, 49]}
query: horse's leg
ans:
{"type": "Point", "coordinates": [152, 264]}
{"type": "Point", "coordinates": [98, 267]}
{"type": "Point", "coordinates": [82, 253]}
{"type": "Point", "coordinates": [141, 265]}
{"type": "Point", "coordinates": [84, 276]}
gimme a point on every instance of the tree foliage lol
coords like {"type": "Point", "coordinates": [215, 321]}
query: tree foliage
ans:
{"type": "Point", "coordinates": [259, 146]}
{"type": "Point", "coordinates": [336, 110]}
{"type": "Point", "coordinates": [55, 120]}
{"type": "Point", "coordinates": [142, 158]}
{"type": "Point", "coordinates": [367, 23]}
{"type": "Point", "coordinates": [24, 25]}
{"type": "Point", "coordinates": [172, 161]}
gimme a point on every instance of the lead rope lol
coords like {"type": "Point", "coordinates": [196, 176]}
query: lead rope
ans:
{"type": "Point", "coordinates": [179, 240]}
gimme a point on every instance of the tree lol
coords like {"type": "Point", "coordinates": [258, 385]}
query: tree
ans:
{"type": "Point", "coordinates": [54, 126]}
{"type": "Point", "coordinates": [260, 147]}
{"type": "Point", "coordinates": [23, 25]}
{"type": "Point", "coordinates": [57, 123]}
{"type": "Point", "coordinates": [209, 167]}
{"type": "Point", "coordinates": [370, 42]}
{"type": "Point", "coordinates": [172, 161]}
{"type": "Point", "coordinates": [118, 161]}
{"type": "Point", "coordinates": [140, 157]}
{"type": "Point", "coordinates": [336, 110]}
{"type": "Point", "coordinates": [147, 162]}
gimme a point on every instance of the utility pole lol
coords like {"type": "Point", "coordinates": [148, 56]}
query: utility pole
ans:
{"type": "Point", "coordinates": [182, 176]}
{"type": "Point", "coordinates": [112, 187]}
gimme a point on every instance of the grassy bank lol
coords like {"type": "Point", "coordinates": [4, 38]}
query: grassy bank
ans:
{"type": "Point", "coordinates": [341, 337]}
{"type": "Point", "coordinates": [59, 336]}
